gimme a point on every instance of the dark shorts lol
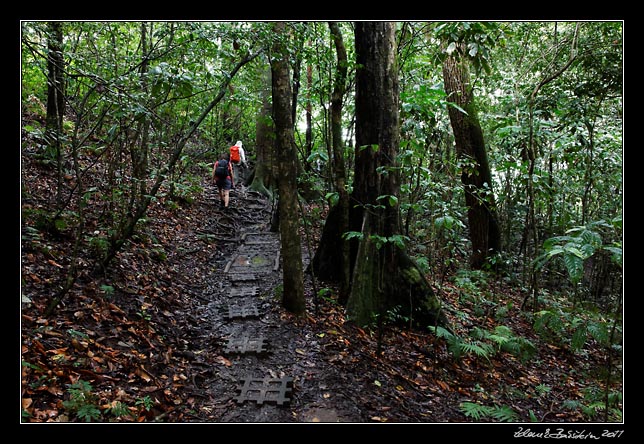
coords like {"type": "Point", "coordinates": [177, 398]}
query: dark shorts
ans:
{"type": "Point", "coordinates": [223, 184]}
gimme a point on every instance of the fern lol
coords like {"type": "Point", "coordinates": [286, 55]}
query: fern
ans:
{"type": "Point", "coordinates": [88, 412]}
{"type": "Point", "coordinates": [480, 349]}
{"type": "Point", "coordinates": [504, 413]}
{"type": "Point", "coordinates": [571, 404]}
{"type": "Point", "coordinates": [504, 340]}
{"type": "Point", "coordinates": [599, 331]}
{"type": "Point", "coordinates": [542, 389]}
{"type": "Point", "coordinates": [441, 332]}
{"type": "Point", "coordinates": [579, 338]}
{"type": "Point", "coordinates": [478, 411]}
{"type": "Point", "coordinates": [474, 410]}
{"type": "Point", "coordinates": [574, 248]}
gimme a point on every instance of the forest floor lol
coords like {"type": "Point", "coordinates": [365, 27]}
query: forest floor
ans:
{"type": "Point", "coordinates": [150, 341]}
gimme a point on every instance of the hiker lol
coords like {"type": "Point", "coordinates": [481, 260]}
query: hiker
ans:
{"type": "Point", "coordinates": [238, 156]}
{"type": "Point", "coordinates": [223, 177]}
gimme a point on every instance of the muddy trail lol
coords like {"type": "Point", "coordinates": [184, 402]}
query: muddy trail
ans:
{"type": "Point", "coordinates": [252, 361]}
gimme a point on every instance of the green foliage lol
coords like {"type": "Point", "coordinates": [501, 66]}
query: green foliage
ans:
{"type": "Point", "coordinates": [542, 389]}
{"type": "Point", "coordinates": [485, 344]}
{"type": "Point", "coordinates": [504, 340]}
{"type": "Point", "coordinates": [145, 402]}
{"type": "Point", "coordinates": [77, 334]}
{"type": "Point", "coordinates": [99, 245]}
{"type": "Point", "coordinates": [119, 409]}
{"type": "Point", "coordinates": [108, 290]}
{"type": "Point", "coordinates": [594, 405]}
{"type": "Point", "coordinates": [477, 411]}
{"type": "Point", "coordinates": [459, 346]}
{"type": "Point", "coordinates": [327, 295]}
{"type": "Point", "coordinates": [397, 239]}
{"type": "Point", "coordinates": [572, 328]}
{"type": "Point", "coordinates": [332, 198]}
{"type": "Point", "coordinates": [82, 402]}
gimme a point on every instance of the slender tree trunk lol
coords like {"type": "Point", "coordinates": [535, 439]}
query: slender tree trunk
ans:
{"type": "Point", "coordinates": [476, 176]}
{"type": "Point", "coordinates": [340, 174]}
{"type": "Point", "coordinates": [139, 151]}
{"type": "Point", "coordinates": [55, 99]}
{"type": "Point", "coordinates": [293, 283]}
{"type": "Point", "coordinates": [309, 111]}
{"type": "Point", "coordinates": [263, 177]}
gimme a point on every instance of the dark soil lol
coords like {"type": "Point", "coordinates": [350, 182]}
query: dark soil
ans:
{"type": "Point", "coordinates": [152, 335]}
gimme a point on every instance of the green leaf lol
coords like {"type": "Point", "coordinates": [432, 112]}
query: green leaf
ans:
{"type": "Point", "coordinates": [574, 265]}
{"type": "Point", "coordinates": [533, 417]}
{"type": "Point", "coordinates": [353, 235]}
{"type": "Point", "coordinates": [398, 240]}
{"type": "Point", "coordinates": [332, 198]}
{"type": "Point", "coordinates": [474, 410]}
{"type": "Point", "coordinates": [504, 414]}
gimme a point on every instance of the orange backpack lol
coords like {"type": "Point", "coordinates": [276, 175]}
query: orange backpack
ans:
{"type": "Point", "coordinates": [234, 154]}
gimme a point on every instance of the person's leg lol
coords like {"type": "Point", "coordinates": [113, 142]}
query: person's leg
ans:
{"type": "Point", "coordinates": [226, 191]}
{"type": "Point", "coordinates": [221, 196]}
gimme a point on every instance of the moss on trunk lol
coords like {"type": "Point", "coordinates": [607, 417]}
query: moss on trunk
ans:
{"type": "Point", "coordinates": [381, 289]}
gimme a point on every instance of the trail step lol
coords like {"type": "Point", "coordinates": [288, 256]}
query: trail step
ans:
{"type": "Point", "coordinates": [252, 261]}
{"type": "Point", "coordinates": [259, 238]}
{"type": "Point", "coordinates": [265, 389]}
{"type": "Point", "coordinates": [243, 291]}
{"type": "Point", "coordinates": [241, 312]}
{"type": "Point", "coordinates": [246, 344]}
{"type": "Point", "coordinates": [242, 277]}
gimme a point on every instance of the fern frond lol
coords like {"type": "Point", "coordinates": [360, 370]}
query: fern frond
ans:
{"type": "Point", "coordinates": [599, 331]}
{"type": "Point", "coordinates": [478, 348]}
{"type": "Point", "coordinates": [504, 413]}
{"type": "Point", "coordinates": [503, 330]}
{"type": "Point", "coordinates": [571, 404]}
{"type": "Point", "coordinates": [441, 332]}
{"type": "Point", "coordinates": [500, 341]}
{"type": "Point", "coordinates": [542, 389]}
{"type": "Point", "coordinates": [474, 410]}
{"type": "Point", "coordinates": [578, 338]}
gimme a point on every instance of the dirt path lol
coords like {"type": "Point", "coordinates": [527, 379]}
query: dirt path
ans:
{"type": "Point", "coordinates": [254, 362]}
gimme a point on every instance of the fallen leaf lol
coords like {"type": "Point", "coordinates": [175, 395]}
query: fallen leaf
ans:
{"type": "Point", "coordinates": [143, 375]}
{"type": "Point", "coordinates": [224, 361]}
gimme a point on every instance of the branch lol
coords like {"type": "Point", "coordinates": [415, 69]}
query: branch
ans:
{"type": "Point", "coordinates": [128, 228]}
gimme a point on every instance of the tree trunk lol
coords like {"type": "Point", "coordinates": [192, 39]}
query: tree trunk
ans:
{"type": "Point", "coordinates": [476, 176]}
{"type": "Point", "coordinates": [139, 152]}
{"type": "Point", "coordinates": [309, 112]}
{"type": "Point", "coordinates": [263, 177]}
{"type": "Point", "coordinates": [383, 277]}
{"type": "Point", "coordinates": [293, 283]}
{"type": "Point", "coordinates": [339, 171]}
{"type": "Point", "coordinates": [55, 99]}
